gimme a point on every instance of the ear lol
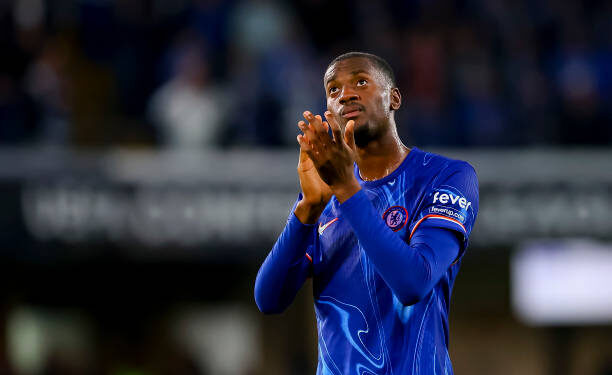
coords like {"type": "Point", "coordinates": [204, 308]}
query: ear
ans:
{"type": "Point", "coordinates": [396, 99]}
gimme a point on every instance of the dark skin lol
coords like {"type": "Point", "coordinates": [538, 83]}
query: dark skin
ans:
{"type": "Point", "coordinates": [361, 103]}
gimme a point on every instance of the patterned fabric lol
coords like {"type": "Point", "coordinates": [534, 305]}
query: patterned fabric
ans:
{"type": "Point", "coordinates": [363, 327]}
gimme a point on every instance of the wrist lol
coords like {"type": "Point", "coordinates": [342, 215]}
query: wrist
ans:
{"type": "Point", "coordinates": [346, 190]}
{"type": "Point", "coordinates": [308, 213]}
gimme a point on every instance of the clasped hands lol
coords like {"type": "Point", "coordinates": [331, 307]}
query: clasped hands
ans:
{"type": "Point", "coordinates": [332, 158]}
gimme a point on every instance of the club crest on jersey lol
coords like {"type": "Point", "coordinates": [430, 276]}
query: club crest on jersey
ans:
{"type": "Point", "coordinates": [395, 217]}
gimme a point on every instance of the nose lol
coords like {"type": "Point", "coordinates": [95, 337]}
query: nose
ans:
{"type": "Point", "coordinates": [348, 95]}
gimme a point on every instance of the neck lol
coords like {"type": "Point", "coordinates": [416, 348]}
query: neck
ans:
{"type": "Point", "coordinates": [381, 156]}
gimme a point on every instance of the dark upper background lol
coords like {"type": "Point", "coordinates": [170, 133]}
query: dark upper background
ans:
{"type": "Point", "coordinates": [214, 73]}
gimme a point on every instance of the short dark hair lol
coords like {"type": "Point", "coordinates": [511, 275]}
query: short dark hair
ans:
{"type": "Point", "coordinates": [380, 64]}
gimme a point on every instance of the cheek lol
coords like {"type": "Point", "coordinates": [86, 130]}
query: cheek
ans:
{"type": "Point", "coordinates": [385, 102]}
{"type": "Point", "coordinates": [330, 106]}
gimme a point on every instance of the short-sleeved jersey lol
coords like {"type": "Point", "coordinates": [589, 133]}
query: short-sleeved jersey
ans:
{"type": "Point", "coordinates": [363, 328]}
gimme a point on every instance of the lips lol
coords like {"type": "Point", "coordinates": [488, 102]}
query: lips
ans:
{"type": "Point", "coordinates": [351, 112]}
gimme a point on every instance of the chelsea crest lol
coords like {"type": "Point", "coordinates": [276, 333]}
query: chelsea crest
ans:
{"type": "Point", "coordinates": [395, 217]}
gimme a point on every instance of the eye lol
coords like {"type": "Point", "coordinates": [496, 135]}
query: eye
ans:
{"type": "Point", "coordinates": [333, 89]}
{"type": "Point", "coordinates": [362, 82]}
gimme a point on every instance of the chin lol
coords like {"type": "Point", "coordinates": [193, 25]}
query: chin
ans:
{"type": "Point", "coordinates": [364, 133]}
{"type": "Point", "coordinates": [359, 122]}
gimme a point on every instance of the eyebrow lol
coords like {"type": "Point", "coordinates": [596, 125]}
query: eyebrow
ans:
{"type": "Point", "coordinates": [354, 73]}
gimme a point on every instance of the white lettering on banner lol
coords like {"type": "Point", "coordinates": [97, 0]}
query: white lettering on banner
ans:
{"type": "Point", "coordinates": [443, 198]}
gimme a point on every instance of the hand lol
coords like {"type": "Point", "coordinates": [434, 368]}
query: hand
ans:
{"type": "Point", "coordinates": [334, 157]}
{"type": "Point", "coordinates": [316, 193]}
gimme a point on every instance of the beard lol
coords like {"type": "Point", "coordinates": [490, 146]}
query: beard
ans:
{"type": "Point", "coordinates": [366, 133]}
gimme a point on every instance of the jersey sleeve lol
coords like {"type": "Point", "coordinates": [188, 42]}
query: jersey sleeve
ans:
{"type": "Point", "coordinates": [286, 267]}
{"type": "Point", "coordinates": [450, 201]}
{"type": "Point", "coordinates": [409, 269]}
{"type": "Point", "coordinates": [311, 242]}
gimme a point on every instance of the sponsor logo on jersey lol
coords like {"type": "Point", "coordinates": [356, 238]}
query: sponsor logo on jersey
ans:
{"type": "Point", "coordinates": [450, 204]}
{"type": "Point", "coordinates": [447, 212]}
{"type": "Point", "coordinates": [446, 197]}
{"type": "Point", "coordinates": [395, 217]}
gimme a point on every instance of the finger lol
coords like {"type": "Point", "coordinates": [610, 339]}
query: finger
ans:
{"type": "Point", "coordinates": [349, 134]}
{"type": "Point", "coordinates": [319, 124]}
{"type": "Point", "coordinates": [310, 137]}
{"type": "Point", "coordinates": [312, 147]}
{"type": "Point", "coordinates": [306, 129]}
{"type": "Point", "coordinates": [303, 155]}
{"type": "Point", "coordinates": [314, 121]}
{"type": "Point", "coordinates": [320, 131]}
{"type": "Point", "coordinates": [317, 135]}
{"type": "Point", "coordinates": [304, 144]}
{"type": "Point", "coordinates": [306, 150]}
{"type": "Point", "coordinates": [336, 131]}
{"type": "Point", "coordinates": [302, 126]}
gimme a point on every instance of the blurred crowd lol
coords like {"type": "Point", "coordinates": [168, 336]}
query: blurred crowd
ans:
{"type": "Point", "coordinates": [213, 73]}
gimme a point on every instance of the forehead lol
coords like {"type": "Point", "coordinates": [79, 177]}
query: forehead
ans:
{"type": "Point", "coordinates": [350, 66]}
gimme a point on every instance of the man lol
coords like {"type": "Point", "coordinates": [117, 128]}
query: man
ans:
{"type": "Point", "coordinates": [381, 229]}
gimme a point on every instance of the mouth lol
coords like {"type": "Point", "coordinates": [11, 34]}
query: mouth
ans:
{"type": "Point", "coordinates": [351, 112]}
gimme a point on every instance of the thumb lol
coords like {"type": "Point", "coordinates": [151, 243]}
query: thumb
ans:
{"type": "Point", "coordinates": [349, 134]}
{"type": "Point", "coordinates": [303, 153]}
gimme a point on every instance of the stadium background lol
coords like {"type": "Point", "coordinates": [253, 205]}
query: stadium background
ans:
{"type": "Point", "coordinates": [147, 163]}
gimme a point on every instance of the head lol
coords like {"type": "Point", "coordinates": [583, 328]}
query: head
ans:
{"type": "Point", "coordinates": [361, 87]}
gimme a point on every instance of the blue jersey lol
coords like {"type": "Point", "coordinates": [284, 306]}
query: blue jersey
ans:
{"type": "Point", "coordinates": [363, 327]}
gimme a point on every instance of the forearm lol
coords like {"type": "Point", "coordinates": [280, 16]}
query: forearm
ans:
{"type": "Point", "coordinates": [285, 269]}
{"type": "Point", "coordinates": [410, 270]}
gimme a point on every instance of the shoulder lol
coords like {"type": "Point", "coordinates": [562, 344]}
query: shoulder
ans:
{"type": "Point", "coordinates": [459, 168]}
{"type": "Point", "coordinates": [439, 167]}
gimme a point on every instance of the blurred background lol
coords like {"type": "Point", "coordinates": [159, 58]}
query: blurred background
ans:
{"type": "Point", "coordinates": [147, 164]}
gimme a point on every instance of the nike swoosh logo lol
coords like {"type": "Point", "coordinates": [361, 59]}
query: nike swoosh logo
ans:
{"type": "Point", "coordinates": [324, 226]}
